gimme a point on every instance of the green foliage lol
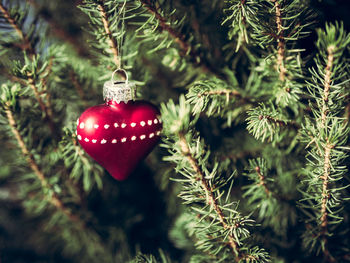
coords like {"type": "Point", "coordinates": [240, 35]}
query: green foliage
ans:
{"type": "Point", "coordinates": [255, 132]}
{"type": "Point", "coordinates": [267, 123]}
{"type": "Point", "coordinates": [241, 15]}
{"type": "Point", "coordinates": [80, 164]}
{"type": "Point", "coordinates": [216, 220]}
{"type": "Point", "coordinates": [326, 132]}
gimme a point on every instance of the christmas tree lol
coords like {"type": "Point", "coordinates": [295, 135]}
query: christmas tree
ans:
{"type": "Point", "coordinates": [252, 164]}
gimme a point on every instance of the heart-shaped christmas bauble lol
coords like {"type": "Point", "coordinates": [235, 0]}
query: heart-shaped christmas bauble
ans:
{"type": "Point", "coordinates": [119, 135]}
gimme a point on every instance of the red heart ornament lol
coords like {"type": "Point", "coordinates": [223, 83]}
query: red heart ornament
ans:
{"type": "Point", "coordinates": [119, 135]}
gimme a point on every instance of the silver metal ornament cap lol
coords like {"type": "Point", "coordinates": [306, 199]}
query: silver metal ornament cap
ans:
{"type": "Point", "coordinates": [119, 91]}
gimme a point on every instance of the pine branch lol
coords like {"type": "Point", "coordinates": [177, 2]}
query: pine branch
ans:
{"type": "Point", "coordinates": [280, 41]}
{"type": "Point", "coordinates": [327, 134]}
{"type": "Point", "coordinates": [220, 227]}
{"type": "Point", "coordinates": [53, 199]}
{"type": "Point", "coordinates": [26, 45]}
{"type": "Point", "coordinates": [262, 180]}
{"type": "Point", "coordinates": [111, 40]}
{"type": "Point", "coordinates": [228, 93]}
{"type": "Point", "coordinates": [73, 77]}
{"type": "Point", "coordinates": [180, 39]}
{"type": "Point", "coordinates": [279, 122]}
{"type": "Point", "coordinates": [45, 107]}
{"type": "Point", "coordinates": [242, 17]}
{"type": "Point", "coordinates": [268, 123]}
{"type": "Point", "coordinates": [327, 154]}
{"type": "Point", "coordinates": [325, 196]}
{"type": "Point", "coordinates": [327, 82]}
{"type": "Point", "coordinates": [211, 200]}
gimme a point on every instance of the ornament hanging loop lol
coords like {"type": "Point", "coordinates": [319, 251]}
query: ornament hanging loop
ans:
{"type": "Point", "coordinates": [119, 70]}
{"type": "Point", "coordinates": [118, 91]}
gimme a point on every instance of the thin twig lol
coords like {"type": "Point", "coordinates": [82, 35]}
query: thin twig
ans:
{"type": "Point", "coordinates": [325, 199]}
{"type": "Point", "coordinates": [42, 104]}
{"type": "Point", "coordinates": [327, 82]}
{"type": "Point", "coordinates": [228, 93]}
{"type": "Point", "coordinates": [211, 200]}
{"type": "Point", "coordinates": [327, 154]}
{"type": "Point", "coordinates": [26, 45]}
{"type": "Point", "coordinates": [54, 200]}
{"type": "Point", "coordinates": [279, 122]}
{"type": "Point", "coordinates": [111, 40]}
{"type": "Point", "coordinates": [262, 180]}
{"type": "Point", "coordinates": [180, 39]}
{"type": "Point", "coordinates": [44, 81]}
{"type": "Point", "coordinates": [78, 87]}
{"type": "Point", "coordinates": [280, 41]}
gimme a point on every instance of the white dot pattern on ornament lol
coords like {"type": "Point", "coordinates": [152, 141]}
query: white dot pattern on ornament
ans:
{"type": "Point", "coordinates": [124, 139]}
{"type": "Point", "coordinates": [123, 125]}
{"type": "Point", "coordinates": [116, 125]}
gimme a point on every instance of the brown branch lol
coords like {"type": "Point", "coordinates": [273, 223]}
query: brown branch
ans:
{"type": "Point", "coordinates": [280, 41]}
{"type": "Point", "coordinates": [54, 200]}
{"type": "Point", "coordinates": [43, 106]}
{"type": "Point", "coordinates": [180, 39]}
{"type": "Point", "coordinates": [327, 83]}
{"type": "Point", "coordinates": [327, 154]}
{"type": "Point", "coordinates": [211, 200]}
{"type": "Point", "coordinates": [26, 45]}
{"type": "Point", "coordinates": [279, 122]}
{"type": "Point", "coordinates": [111, 40]}
{"type": "Point", "coordinates": [325, 199]}
{"type": "Point", "coordinates": [228, 93]}
{"type": "Point", "coordinates": [78, 87]}
{"type": "Point", "coordinates": [262, 180]}
{"type": "Point", "coordinates": [225, 92]}
{"type": "Point", "coordinates": [44, 81]}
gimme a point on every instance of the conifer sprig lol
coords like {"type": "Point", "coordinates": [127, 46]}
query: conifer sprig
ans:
{"type": "Point", "coordinates": [268, 123]}
{"type": "Point", "coordinates": [224, 226]}
{"type": "Point", "coordinates": [24, 44]}
{"type": "Point", "coordinates": [107, 26]}
{"type": "Point", "coordinates": [328, 131]}
{"type": "Point", "coordinates": [53, 198]}
{"type": "Point", "coordinates": [241, 14]}
{"type": "Point", "coordinates": [34, 72]}
{"type": "Point", "coordinates": [187, 48]}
